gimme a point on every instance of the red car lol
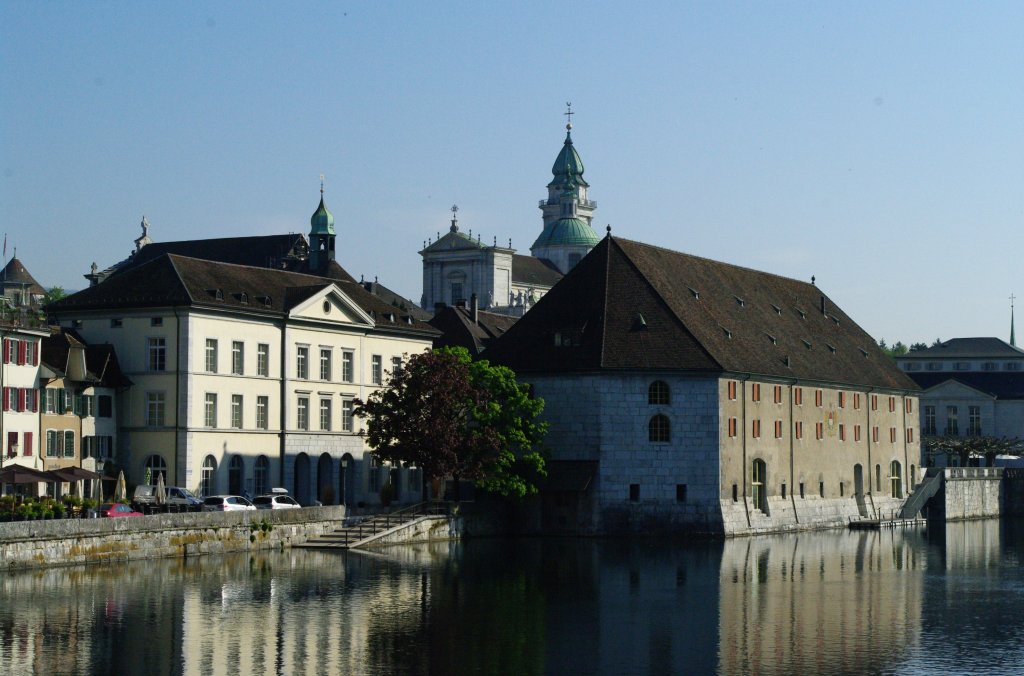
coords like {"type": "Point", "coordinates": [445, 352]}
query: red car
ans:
{"type": "Point", "coordinates": [117, 510]}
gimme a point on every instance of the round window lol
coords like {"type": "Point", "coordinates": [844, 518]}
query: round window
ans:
{"type": "Point", "coordinates": [327, 307]}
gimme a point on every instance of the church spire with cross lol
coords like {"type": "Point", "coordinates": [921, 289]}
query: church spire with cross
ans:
{"type": "Point", "coordinates": [321, 234]}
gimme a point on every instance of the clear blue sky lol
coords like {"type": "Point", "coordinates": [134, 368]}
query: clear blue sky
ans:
{"type": "Point", "coordinates": [878, 146]}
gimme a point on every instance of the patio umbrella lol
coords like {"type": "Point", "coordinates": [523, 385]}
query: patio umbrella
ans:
{"type": "Point", "coordinates": [121, 491]}
{"type": "Point", "coordinates": [19, 474]}
{"type": "Point", "coordinates": [74, 476]}
{"type": "Point", "coordinates": [161, 491]}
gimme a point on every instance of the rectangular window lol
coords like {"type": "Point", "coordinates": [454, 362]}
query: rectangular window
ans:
{"type": "Point", "coordinates": [974, 421]}
{"type": "Point", "coordinates": [778, 429]}
{"type": "Point", "coordinates": [798, 429]}
{"type": "Point", "coordinates": [116, 323]}
{"type": "Point", "coordinates": [962, 366]}
{"type": "Point", "coordinates": [909, 405]}
{"type": "Point", "coordinates": [819, 431]}
{"type": "Point", "coordinates": [396, 366]}
{"type": "Point", "coordinates": [892, 435]}
{"type": "Point", "coordinates": [732, 427]}
{"type": "Point", "coordinates": [842, 432]}
{"type": "Point", "coordinates": [374, 472]}
{"type": "Point", "coordinates": [680, 492]}
{"type": "Point", "coordinates": [952, 423]}
{"type": "Point", "coordinates": [856, 401]}
{"type": "Point", "coordinates": [325, 414]}
{"type": "Point", "coordinates": [211, 355]}
{"type": "Point", "coordinates": [88, 405]}
{"type": "Point", "coordinates": [210, 413]}
{"type": "Point", "coordinates": [27, 450]}
{"type": "Point", "coordinates": [755, 392]}
{"type": "Point", "coordinates": [376, 370]}
{"type": "Point", "coordinates": [69, 444]}
{"type": "Point", "coordinates": [892, 404]}
{"type": "Point", "coordinates": [237, 357]}
{"type": "Point", "coordinates": [731, 387]}
{"type": "Point", "coordinates": [236, 411]}
{"type": "Point", "coordinates": [755, 429]}
{"type": "Point", "coordinates": [302, 413]}
{"type": "Point", "coordinates": [777, 394]}
{"type": "Point", "coordinates": [263, 360]}
{"type": "Point", "coordinates": [12, 442]}
{"type": "Point", "coordinates": [302, 362]}
{"type": "Point", "coordinates": [801, 490]}
{"type": "Point", "coordinates": [346, 415]}
{"type": "Point", "coordinates": [842, 400]}
{"type": "Point", "coordinates": [874, 434]}
{"type": "Point", "coordinates": [929, 420]}
{"type": "Point", "coordinates": [156, 349]}
{"type": "Point", "coordinates": [634, 492]}
{"type": "Point", "coordinates": [154, 409]}
{"type": "Point", "coordinates": [817, 397]}
{"type": "Point", "coordinates": [348, 359]}
{"type": "Point", "coordinates": [156, 321]}
{"type": "Point", "coordinates": [325, 363]}
{"type": "Point", "coordinates": [910, 435]}
{"type": "Point", "coordinates": [821, 488]}
{"type": "Point", "coordinates": [50, 400]}
{"type": "Point", "coordinates": [735, 493]}
{"type": "Point", "coordinates": [874, 402]}
{"type": "Point", "coordinates": [105, 404]}
{"type": "Point", "coordinates": [856, 432]}
{"type": "Point", "coordinates": [798, 396]}
{"type": "Point", "coordinates": [262, 403]}
{"type": "Point", "coordinates": [54, 442]}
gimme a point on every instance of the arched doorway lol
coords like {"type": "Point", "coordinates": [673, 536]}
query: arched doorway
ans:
{"type": "Point", "coordinates": [262, 475]}
{"type": "Point", "coordinates": [208, 477]}
{"type": "Point", "coordinates": [858, 489]}
{"type": "Point", "coordinates": [301, 488]}
{"type": "Point", "coordinates": [346, 480]}
{"type": "Point", "coordinates": [156, 465]}
{"type": "Point", "coordinates": [236, 472]}
{"type": "Point", "coordinates": [325, 480]}
{"type": "Point", "coordinates": [759, 485]}
{"type": "Point", "coordinates": [896, 477]}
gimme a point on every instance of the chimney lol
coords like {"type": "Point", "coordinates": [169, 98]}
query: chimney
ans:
{"type": "Point", "coordinates": [476, 308]}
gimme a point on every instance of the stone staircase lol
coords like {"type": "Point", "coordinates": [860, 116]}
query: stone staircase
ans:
{"type": "Point", "coordinates": [375, 527]}
{"type": "Point", "coordinates": [923, 492]}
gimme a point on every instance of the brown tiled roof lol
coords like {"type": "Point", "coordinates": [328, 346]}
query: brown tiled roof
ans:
{"type": "Point", "coordinates": [264, 251]}
{"type": "Point", "coordinates": [177, 280]}
{"type": "Point", "coordinates": [458, 328]}
{"type": "Point", "coordinates": [393, 298]}
{"type": "Point", "coordinates": [100, 360]}
{"type": "Point", "coordinates": [975, 348]}
{"type": "Point", "coordinates": [629, 305]}
{"type": "Point", "coordinates": [15, 272]}
{"type": "Point", "coordinates": [534, 271]}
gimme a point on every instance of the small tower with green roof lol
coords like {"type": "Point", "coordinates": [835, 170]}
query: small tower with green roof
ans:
{"type": "Point", "coordinates": [568, 233]}
{"type": "Point", "coordinates": [321, 235]}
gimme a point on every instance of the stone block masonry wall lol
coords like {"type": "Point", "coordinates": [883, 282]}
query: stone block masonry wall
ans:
{"type": "Point", "coordinates": [37, 544]}
{"type": "Point", "coordinates": [970, 493]}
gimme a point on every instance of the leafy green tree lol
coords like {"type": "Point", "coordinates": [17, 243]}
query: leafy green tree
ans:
{"type": "Point", "coordinates": [965, 448]}
{"type": "Point", "coordinates": [914, 347]}
{"type": "Point", "coordinates": [455, 417]}
{"type": "Point", "coordinates": [53, 294]}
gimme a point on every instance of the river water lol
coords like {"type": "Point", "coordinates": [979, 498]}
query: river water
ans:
{"type": "Point", "coordinates": [945, 600]}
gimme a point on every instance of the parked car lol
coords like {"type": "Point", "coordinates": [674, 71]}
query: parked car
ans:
{"type": "Point", "coordinates": [226, 503]}
{"type": "Point", "coordinates": [276, 501]}
{"type": "Point", "coordinates": [178, 499]}
{"type": "Point", "coordinates": [116, 509]}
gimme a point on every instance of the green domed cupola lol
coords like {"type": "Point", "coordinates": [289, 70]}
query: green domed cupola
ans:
{"type": "Point", "coordinates": [321, 235]}
{"type": "Point", "coordinates": [568, 164]}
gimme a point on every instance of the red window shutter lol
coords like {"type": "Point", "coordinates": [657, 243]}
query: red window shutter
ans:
{"type": "Point", "coordinates": [35, 353]}
{"type": "Point", "coordinates": [21, 352]}
{"type": "Point", "coordinates": [28, 443]}
{"type": "Point", "coordinates": [35, 401]}
{"type": "Point", "coordinates": [7, 399]}
{"type": "Point", "coordinates": [21, 399]}
{"type": "Point", "coordinates": [7, 348]}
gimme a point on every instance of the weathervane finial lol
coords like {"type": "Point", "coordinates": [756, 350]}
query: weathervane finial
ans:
{"type": "Point", "coordinates": [455, 218]}
{"type": "Point", "coordinates": [568, 113]}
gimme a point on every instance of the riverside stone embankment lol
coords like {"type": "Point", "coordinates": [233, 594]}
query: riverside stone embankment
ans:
{"type": "Point", "coordinates": [37, 544]}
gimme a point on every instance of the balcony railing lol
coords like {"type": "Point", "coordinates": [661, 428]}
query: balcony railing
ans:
{"type": "Point", "coordinates": [591, 204]}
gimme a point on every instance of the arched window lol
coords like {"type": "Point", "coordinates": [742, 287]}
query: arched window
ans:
{"type": "Point", "coordinates": [657, 393]}
{"type": "Point", "coordinates": [236, 471]}
{"type": "Point", "coordinates": [758, 485]}
{"type": "Point", "coordinates": [878, 479]}
{"type": "Point", "coordinates": [156, 466]}
{"type": "Point", "coordinates": [206, 481]}
{"type": "Point", "coordinates": [896, 477]}
{"type": "Point", "coordinates": [658, 429]}
{"type": "Point", "coordinates": [262, 475]}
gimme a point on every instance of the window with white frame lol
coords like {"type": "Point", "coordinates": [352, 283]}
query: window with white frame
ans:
{"type": "Point", "coordinates": [211, 355]}
{"type": "Point", "coordinates": [974, 421]}
{"type": "Point", "coordinates": [155, 405]}
{"type": "Point", "coordinates": [348, 359]}
{"type": "Point", "coordinates": [69, 444]}
{"type": "Point", "coordinates": [262, 403]}
{"type": "Point", "coordinates": [156, 353]}
{"type": "Point", "coordinates": [302, 362]}
{"type": "Point", "coordinates": [263, 360]}
{"type": "Point", "coordinates": [346, 415]}
{"type": "Point", "coordinates": [377, 370]}
{"type": "Point", "coordinates": [237, 357]}
{"type": "Point", "coordinates": [952, 424]}
{"type": "Point", "coordinates": [236, 411]}
{"type": "Point", "coordinates": [210, 412]}
{"type": "Point", "coordinates": [929, 420]}
{"type": "Point", "coordinates": [325, 414]}
{"type": "Point", "coordinates": [54, 443]}
{"type": "Point", "coordinates": [396, 366]}
{"type": "Point", "coordinates": [325, 363]}
{"type": "Point", "coordinates": [302, 413]}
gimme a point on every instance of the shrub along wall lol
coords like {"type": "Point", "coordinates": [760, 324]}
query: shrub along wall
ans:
{"type": "Point", "coordinates": [33, 544]}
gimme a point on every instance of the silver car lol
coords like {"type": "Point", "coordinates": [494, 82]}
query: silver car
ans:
{"type": "Point", "coordinates": [276, 502]}
{"type": "Point", "coordinates": [226, 503]}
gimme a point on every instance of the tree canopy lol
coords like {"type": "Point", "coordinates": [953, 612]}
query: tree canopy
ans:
{"type": "Point", "coordinates": [455, 417]}
{"type": "Point", "coordinates": [53, 294]}
{"type": "Point", "coordinates": [969, 447]}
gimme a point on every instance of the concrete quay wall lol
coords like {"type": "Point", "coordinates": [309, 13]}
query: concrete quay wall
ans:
{"type": "Point", "coordinates": [970, 493]}
{"type": "Point", "coordinates": [38, 544]}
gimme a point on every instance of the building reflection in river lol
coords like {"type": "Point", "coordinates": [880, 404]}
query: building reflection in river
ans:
{"type": "Point", "coordinates": [812, 602]}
